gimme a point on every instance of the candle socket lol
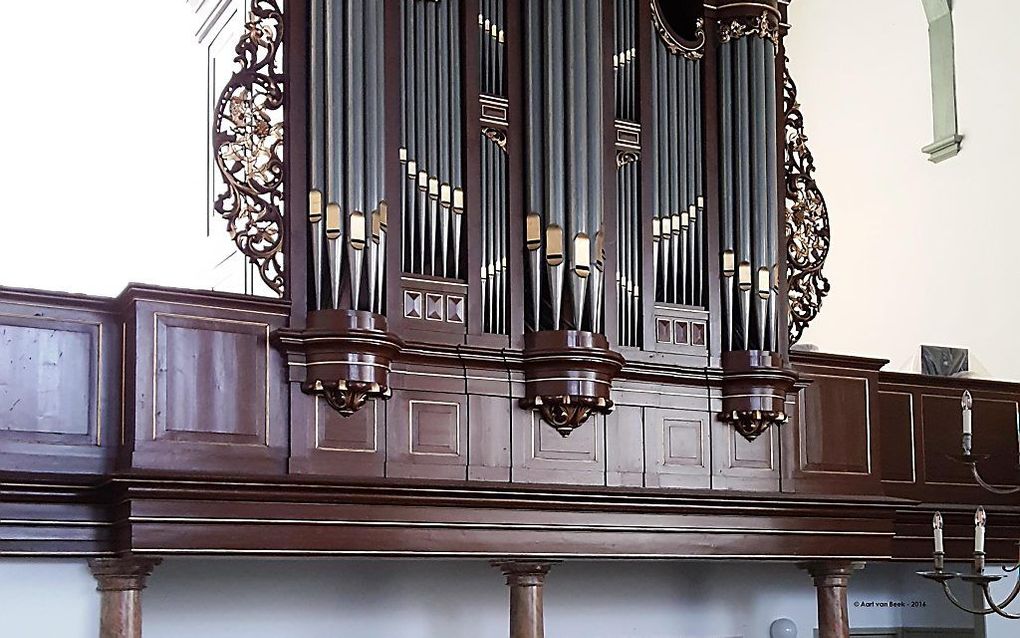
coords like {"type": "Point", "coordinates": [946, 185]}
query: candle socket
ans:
{"type": "Point", "coordinates": [979, 563]}
{"type": "Point", "coordinates": [940, 561]}
{"type": "Point", "coordinates": [967, 441]}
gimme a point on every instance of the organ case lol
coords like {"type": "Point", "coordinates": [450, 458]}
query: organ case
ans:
{"type": "Point", "coordinates": [542, 200]}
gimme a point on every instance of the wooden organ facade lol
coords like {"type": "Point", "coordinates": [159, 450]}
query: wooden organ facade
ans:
{"type": "Point", "coordinates": [539, 265]}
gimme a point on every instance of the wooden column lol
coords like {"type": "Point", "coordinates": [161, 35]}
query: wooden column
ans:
{"type": "Point", "coordinates": [121, 581]}
{"type": "Point", "coordinates": [525, 580]}
{"type": "Point", "coordinates": [831, 578]}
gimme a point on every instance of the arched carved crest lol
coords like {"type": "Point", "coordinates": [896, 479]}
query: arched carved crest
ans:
{"type": "Point", "coordinates": [673, 44]}
{"type": "Point", "coordinates": [807, 221]}
{"type": "Point", "coordinates": [248, 143]}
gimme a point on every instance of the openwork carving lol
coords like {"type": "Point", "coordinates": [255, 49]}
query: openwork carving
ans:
{"type": "Point", "coordinates": [764, 26]}
{"type": "Point", "coordinates": [673, 44]}
{"type": "Point", "coordinates": [568, 375]}
{"type": "Point", "coordinates": [248, 143]}
{"type": "Point", "coordinates": [496, 135]}
{"type": "Point", "coordinates": [347, 397]}
{"type": "Point", "coordinates": [566, 413]}
{"type": "Point", "coordinates": [807, 222]}
{"type": "Point", "coordinates": [751, 424]}
{"type": "Point", "coordinates": [346, 356]}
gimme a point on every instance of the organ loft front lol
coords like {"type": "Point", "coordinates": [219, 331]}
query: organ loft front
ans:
{"type": "Point", "coordinates": [534, 275]}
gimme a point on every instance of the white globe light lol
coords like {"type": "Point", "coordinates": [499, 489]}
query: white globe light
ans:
{"type": "Point", "coordinates": [783, 628]}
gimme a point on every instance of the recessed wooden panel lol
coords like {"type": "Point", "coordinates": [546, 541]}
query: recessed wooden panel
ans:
{"type": "Point", "coordinates": [677, 445]}
{"type": "Point", "coordinates": [683, 443]}
{"type": "Point", "coordinates": [758, 454]}
{"type": "Point", "coordinates": [897, 414]}
{"type": "Point", "coordinates": [206, 391]}
{"type": "Point", "coordinates": [211, 382]}
{"type": "Point", "coordinates": [995, 433]}
{"type": "Point", "coordinates": [739, 464]}
{"type": "Point", "coordinates": [550, 445]}
{"type": "Point", "coordinates": [435, 428]}
{"type": "Point", "coordinates": [832, 443]}
{"type": "Point", "coordinates": [541, 455]}
{"type": "Point", "coordinates": [427, 434]}
{"type": "Point", "coordinates": [49, 380]}
{"type": "Point", "coordinates": [835, 426]}
{"type": "Point", "coordinates": [358, 433]}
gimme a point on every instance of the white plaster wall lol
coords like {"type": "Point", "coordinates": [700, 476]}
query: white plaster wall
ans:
{"type": "Point", "coordinates": [105, 148]}
{"type": "Point", "coordinates": [922, 253]}
{"type": "Point", "coordinates": [218, 598]}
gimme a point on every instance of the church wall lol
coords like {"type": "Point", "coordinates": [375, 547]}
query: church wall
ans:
{"type": "Point", "coordinates": [922, 253]}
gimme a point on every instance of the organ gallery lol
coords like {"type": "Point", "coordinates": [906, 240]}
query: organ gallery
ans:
{"type": "Point", "coordinates": [536, 273]}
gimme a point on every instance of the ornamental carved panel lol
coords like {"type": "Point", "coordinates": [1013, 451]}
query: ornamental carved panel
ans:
{"type": "Point", "coordinates": [807, 221]}
{"type": "Point", "coordinates": [248, 143]}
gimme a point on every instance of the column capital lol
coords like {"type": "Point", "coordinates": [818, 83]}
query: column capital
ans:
{"type": "Point", "coordinates": [126, 573]}
{"type": "Point", "coordinates": [524, 573]}
{"type": "Point", "coordinates": [831, 573]}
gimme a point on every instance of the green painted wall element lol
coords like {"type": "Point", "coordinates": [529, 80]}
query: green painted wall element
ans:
{"type": "Point", "coordinates": [947, 138]}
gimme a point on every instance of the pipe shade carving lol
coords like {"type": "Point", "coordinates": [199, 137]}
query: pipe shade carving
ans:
{"type": "Point", "coordinates": [807, 222]}
{"type": "Point", "coordinates": [248, 144]}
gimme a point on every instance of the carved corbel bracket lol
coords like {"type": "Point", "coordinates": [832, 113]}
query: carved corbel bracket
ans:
{"type": "Point", "coordinates": [346, 357]}
{"type": "Point", "coordinates": [755, 385]}
{"type": "Point", "coordinates": [568, 376]}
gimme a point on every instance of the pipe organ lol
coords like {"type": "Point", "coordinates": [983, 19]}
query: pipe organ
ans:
{"type": "Point", "coordinates": [538, 293]}
{"type": "Point", "coordinates": [583, 182]}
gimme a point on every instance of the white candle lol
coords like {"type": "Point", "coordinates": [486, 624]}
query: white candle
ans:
{"type": "Point", "coordinates": [936, 524]}
{"type": "Point", "coordinates": [979, 530]}
{"type": "Point", "coordinates": [967, 403]}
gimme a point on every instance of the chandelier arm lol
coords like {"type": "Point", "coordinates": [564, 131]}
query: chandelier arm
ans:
{"type": "Point", "coordinates": [997, 608]}
{"type": "Point", "coordinates": [988, 487]}
{"type": "Point", "coordinates": [1013, 594]}
{"type": "Point", "coordinates": [953, 599]}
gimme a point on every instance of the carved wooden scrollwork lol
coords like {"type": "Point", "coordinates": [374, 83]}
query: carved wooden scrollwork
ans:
{"type": "Point", "coordinates": [497, 136]}
{"type": "Point", "coordinates": [807, 221]}
{"type": "Point", "coordinates": [248, 143]}
{"type": "Point", "coordinates": [764, 26]}
{"type": "Point", "coordinates": [626, 157]}
{"type": "Point", "coordinates": [673, 44]}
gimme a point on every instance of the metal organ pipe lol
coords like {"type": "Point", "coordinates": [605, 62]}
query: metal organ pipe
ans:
{"type": "Point", "coordinates": [348, 214]}
{"type": "Point", "coordinates": [772, 217]}
{"type": "Point", "coordinates": [317, 143]}
{"type": "Point", "coordinates": [749, 224]}
{"type": "Point", "coordinates": [569, 145]}
{"type": "Point", "coordinates": [536, 189]}
{"type": "Point", "coordinates": [432, 129]}
{"type": "Point", "coordinates": [677, 222]}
